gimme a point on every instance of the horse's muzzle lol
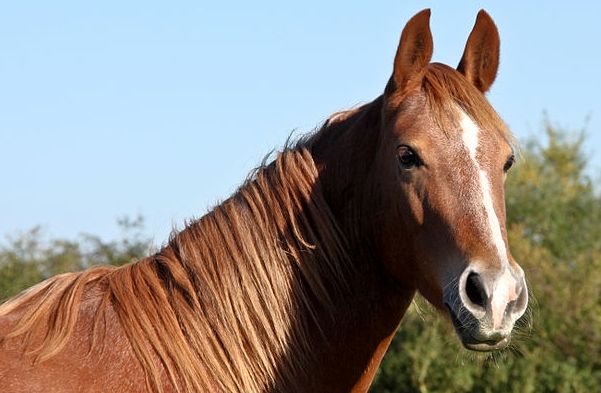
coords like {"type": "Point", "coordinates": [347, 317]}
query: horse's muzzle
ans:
{"type": "Point", "coordinates": [484, 306]}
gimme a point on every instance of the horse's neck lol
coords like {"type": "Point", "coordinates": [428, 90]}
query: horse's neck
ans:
{"type": "Point", "coordinates": [359, 336]}
{"type": "Point", "coordinates": [366, 320]}
{"type": "Point", "coordinates": [344, 150]}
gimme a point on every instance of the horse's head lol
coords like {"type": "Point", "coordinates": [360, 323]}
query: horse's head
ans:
{"type": "Point", "coordinates": [447, 153]}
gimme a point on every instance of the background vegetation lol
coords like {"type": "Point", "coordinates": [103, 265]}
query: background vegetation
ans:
{"type": "Point", "coordinates": [554, 227]}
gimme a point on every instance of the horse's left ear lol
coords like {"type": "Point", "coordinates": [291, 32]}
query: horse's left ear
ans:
{"type": "Point", "coordinates": [480, 60]}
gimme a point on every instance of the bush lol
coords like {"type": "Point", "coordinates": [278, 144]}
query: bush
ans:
{"type": "Point", "coordinates": [28, 258]}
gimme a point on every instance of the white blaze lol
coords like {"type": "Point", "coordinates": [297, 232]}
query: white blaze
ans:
{"type": "Point", "coordinates": [470, 140]}
{"type": "Point", "coordinates": [504, 287]}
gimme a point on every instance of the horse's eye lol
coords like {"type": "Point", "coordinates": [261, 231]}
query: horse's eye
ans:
{"type": "Point", "coordinates": [407, 157]}
{"type": "Point", "coordinates": [509, 163]}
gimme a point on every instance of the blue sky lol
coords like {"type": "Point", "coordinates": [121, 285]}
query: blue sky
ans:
{"type": "Point", "coordinates": [162, 108]}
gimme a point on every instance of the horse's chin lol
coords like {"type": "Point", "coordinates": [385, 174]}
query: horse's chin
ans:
{"type": "Point", "coordinates": [474, 339]}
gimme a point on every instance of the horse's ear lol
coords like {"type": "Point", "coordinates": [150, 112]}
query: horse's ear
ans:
{"type": "Point", "coordinates": [480, 60]}
{"type": "Point", "coordinates": [413, 54]}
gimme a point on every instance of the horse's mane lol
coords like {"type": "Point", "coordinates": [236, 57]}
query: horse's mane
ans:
{"type": "Point", "coordinates": [230, 297]}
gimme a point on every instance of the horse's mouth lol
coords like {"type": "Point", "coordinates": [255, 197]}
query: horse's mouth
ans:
{"type": "Point", "coordinates": [469, 336]}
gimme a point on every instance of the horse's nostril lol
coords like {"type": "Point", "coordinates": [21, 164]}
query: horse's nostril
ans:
{"type": "Point", "coordinates": [475, 290]}
{"type": "Point", "coordinates": [521, 302]}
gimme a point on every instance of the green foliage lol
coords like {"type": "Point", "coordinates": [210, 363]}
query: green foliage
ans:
{"type": "Point", "coordinates": [29, 259]}
{"type": "Point", "coordinates": [554, 228]}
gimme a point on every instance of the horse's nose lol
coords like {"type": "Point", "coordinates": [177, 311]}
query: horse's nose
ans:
{"type": "Point", "coordinates": [499, 298]}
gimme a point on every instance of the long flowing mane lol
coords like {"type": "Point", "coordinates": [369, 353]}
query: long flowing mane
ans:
{"type": "Point", "coordinates": [223, 305]}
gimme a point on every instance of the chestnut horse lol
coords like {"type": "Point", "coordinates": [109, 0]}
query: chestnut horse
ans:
{"type": "Point", "coordinates": [299, 280]}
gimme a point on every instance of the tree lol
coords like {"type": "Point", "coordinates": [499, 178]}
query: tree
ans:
{"type": "Point", "coordinates": [29, 258]}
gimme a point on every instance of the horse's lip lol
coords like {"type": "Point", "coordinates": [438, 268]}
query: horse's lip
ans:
{"type": "Point", "coordinates": [487, 346]}
{"type": "Point", "coordinates": [471, 342]}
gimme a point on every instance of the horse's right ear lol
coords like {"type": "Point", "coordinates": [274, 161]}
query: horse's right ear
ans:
{"type": "Point", "coordinates": [413, 54]}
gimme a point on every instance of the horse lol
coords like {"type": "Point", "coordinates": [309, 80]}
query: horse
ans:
{"type": "Point", "coordinates": [298, 281]}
